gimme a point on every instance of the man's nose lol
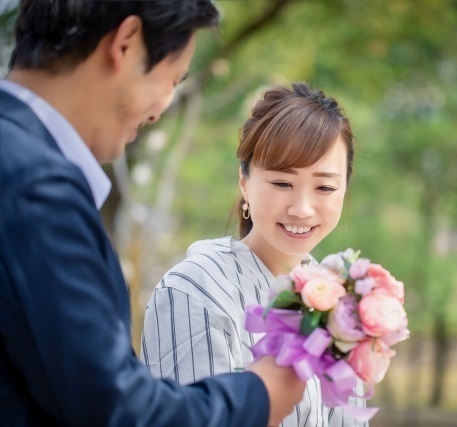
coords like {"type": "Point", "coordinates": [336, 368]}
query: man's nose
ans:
{"type": "Point", "coordinates": [165, 104]}
{"type": "Point", "coordinates": [153, 119]}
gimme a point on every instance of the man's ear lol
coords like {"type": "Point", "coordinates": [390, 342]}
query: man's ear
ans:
{"type": "Point", "coordinates": [242, 183]}
{"type": "Point", "coordinates": [126, 40]}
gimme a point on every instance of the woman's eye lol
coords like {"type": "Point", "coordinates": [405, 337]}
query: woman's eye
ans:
{"type": "Point", "coordinates": [282, 184]}
{"type": "Point", "coordinates": [326, 189]}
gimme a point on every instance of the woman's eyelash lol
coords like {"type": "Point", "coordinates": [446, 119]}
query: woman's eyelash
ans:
{"type": "Point", "coordinates": [326, 189]}
{"type": "Point", "coordinates": [323, 188]}
{"type": "Point", "coordinates": [282, 184]}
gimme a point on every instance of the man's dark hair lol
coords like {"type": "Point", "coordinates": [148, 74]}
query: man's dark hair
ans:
{"type": "Point", "coordinates": [56, 34]}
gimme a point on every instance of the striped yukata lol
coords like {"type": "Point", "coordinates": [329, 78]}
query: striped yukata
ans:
{"type": "Point", "coordinates": [194, 323]}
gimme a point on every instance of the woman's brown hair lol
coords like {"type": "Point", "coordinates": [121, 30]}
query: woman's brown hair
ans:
{"type": "Point", "coordinates": [291, 128]}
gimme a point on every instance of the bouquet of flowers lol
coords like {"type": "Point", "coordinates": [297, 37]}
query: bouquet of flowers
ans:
{"type": "Point", "coordinates": [338, 321]}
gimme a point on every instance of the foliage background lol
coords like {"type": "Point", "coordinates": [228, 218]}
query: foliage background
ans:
{"type": "Point", "coordinates": [392, 64]}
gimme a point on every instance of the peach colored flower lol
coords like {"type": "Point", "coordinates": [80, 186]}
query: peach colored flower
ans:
{"type": "Point", "coordinates": [370, 360]}
{"type": "Point", "coordinates": [384, 280]}
{"type": "Point", "coordinates": [322, 293]}
{"type": "Point", "coordinates": [381, 313]}
{"type": "Point", "coordinates": [301, 274]}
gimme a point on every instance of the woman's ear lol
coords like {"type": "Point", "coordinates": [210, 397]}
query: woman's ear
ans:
{"type": "Point", "coordinates": [242, 183]}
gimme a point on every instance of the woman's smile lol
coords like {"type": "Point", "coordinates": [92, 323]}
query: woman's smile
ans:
{"type": "Point", "coordinates": [297, 232]}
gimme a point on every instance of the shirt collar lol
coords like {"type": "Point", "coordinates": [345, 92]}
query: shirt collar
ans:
{"type": "Point", "coordinates": [68, 140]}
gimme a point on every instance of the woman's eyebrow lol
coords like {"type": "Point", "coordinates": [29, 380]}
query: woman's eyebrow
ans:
{"type": "Point", "coordinates": [327, 174]}
{"type": "Point", "coordinates": [319, 174]}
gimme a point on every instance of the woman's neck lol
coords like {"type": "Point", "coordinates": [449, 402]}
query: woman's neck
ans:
{"type": "Point", "coordinates": [276, 261]}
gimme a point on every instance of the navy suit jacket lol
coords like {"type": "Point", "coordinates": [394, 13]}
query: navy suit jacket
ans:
{"type": "Point", "coordinates": [65, 352]}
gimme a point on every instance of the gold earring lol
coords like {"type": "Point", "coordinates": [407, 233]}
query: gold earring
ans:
{"type": "Point", "coordinates": [246, 213]}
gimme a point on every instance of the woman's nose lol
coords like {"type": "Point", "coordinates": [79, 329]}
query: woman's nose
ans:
{"type": "Point", "coordinates": [302, 207]}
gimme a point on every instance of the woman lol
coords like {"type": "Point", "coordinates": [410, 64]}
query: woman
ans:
{"type": "Point", "coordinates": [295, 154]}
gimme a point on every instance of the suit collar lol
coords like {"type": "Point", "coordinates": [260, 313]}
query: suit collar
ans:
{"type": "Point", "coordinates": [33, 113]}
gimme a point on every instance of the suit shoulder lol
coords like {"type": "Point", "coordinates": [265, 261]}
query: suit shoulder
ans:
{"type": "Point", "coordinates": [26, 160]}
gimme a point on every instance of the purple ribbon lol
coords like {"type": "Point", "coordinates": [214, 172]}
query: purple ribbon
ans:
{"type": "Point", "coordinates": [277, 319]}
{"type": "Point", "coordinates": [307, 355]}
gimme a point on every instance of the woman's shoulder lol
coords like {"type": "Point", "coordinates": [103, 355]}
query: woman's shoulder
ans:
{"type": "Point", "coordinates": [221, 245]}
{"type": "Point", "coordinates": [207, 275]}
{"type": "Point", "coordinates": [207, 260]}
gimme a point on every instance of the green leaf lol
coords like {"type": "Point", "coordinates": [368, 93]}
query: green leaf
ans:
{"type": "Point", "coordinates": [306, 326]}
{"type": "Point", "coordinates": [285, 299]}
{"type": "Point", "coordinates": [315, 317]}
{"type": "Point", "coordinates": [310, 321]}
{"type": "Point", "coordinates": [350, 256]}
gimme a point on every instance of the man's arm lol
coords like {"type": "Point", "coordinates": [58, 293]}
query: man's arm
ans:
{"type": "Point", "coordinates": [68, 337]}
{"type": "Point", "coordinates": [63, 324]}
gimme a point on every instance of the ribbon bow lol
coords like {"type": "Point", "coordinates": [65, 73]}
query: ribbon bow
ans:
{"type": "Point", "coordinates": [307, 354]}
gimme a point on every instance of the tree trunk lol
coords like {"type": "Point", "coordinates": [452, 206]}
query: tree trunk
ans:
{"type": "Point", "coordinates": [415, 359]}
{"type": "Point", "coordinates": [440, 346]}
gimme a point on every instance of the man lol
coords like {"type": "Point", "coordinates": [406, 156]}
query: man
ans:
{"type": "Point", "coordinates": [85, 75]}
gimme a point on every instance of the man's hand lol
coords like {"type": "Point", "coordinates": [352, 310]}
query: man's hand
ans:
{"type": "Point", "coordinates": [284, 388]}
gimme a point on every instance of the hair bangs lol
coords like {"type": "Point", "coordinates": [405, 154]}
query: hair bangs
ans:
{"type": "Point", "coordinates": [293, 139]}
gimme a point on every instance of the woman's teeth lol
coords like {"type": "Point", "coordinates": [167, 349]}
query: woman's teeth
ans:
{"type": "Point", "coordinates": [296, 230]}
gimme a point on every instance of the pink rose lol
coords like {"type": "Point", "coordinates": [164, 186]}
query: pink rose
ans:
{"type": "Point", "coordinates": [299, 275]}
{"type": "Point", "coordinates": [370, 360]}
{"type": "Point", "coordinates": [384, 280]}
{"type": "Point", "coordinates": [344, 323]}
{"type": "Point", "coordinates": [393, 287]}
{"type": "Point", "coordinates": [381, 313]}
{"type": "Point", "coordinates": [399, 336]}
{"type": "Point", "coordinates": [396, 337]}
{"type": "Point", "coordinates": [378, 271]}
{"type": "Point", "coordinates": [322, 293]}
{"type": "Point", "coordinates": [359, 268]}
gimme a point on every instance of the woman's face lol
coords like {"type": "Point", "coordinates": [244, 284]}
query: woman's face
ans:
{"type": "Point", "coordinates": [293, 211]}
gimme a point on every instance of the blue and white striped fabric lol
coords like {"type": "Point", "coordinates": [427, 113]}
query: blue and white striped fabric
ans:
{"type": "Point", "coordinates": [194, 323]}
